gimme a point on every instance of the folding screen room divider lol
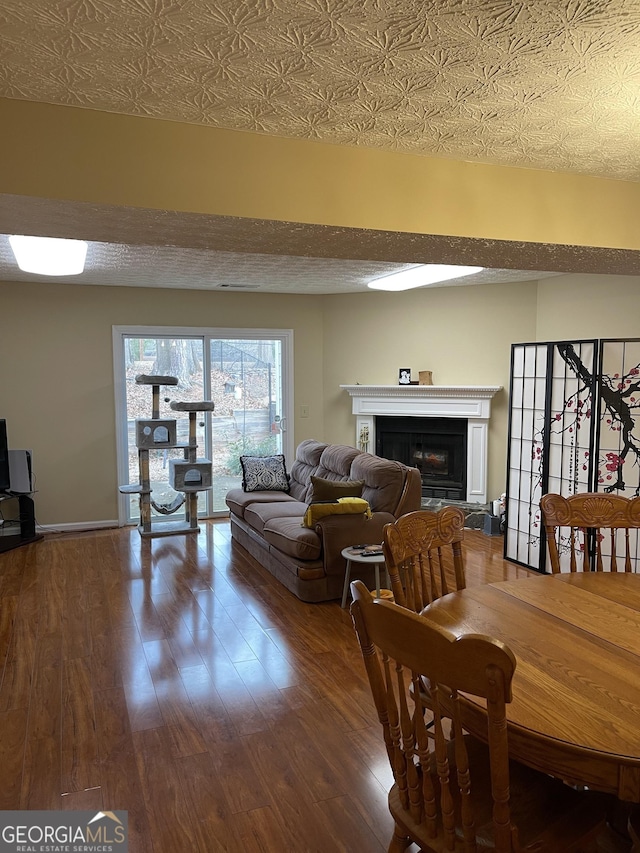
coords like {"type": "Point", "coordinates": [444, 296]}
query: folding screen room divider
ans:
{"type": "Point", "coordinates": [573, 427]}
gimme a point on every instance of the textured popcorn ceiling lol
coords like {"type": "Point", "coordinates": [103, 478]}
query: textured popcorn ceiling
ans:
{"type": "Point", "coordinates": [547, 84]}
{"type": "Point", "coordinates": [197, 269]}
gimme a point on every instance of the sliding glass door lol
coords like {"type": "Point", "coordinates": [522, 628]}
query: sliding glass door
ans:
{"type": "Point", "coordinates": [246, 373]}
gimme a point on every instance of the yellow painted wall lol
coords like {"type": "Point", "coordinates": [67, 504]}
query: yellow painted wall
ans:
{"type": "Point", "coordinates": [56, 383]}
{"type": "Point", "coordinates": [588, 306]}
{"type": "Point", "coordinates": [56, 386]}
{"type": "Point", "coordinates": [104, 158]}
{"type": "Point", "coordinates": [462, 334]}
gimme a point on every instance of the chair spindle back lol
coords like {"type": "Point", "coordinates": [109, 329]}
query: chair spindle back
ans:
{"type": "Point", "coordinates": [592, 531]}
{"type": "Point", "coordinates": [432, 795]}
{"type": "Point", "coordinates": [423, 554]}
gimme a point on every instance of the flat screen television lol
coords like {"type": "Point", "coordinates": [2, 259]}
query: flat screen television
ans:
{"type": "Point", "coordinates": [4, 458]}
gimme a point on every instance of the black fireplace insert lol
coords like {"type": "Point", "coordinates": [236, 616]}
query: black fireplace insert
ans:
{"type": "Point", "coordinates": [436, 446]}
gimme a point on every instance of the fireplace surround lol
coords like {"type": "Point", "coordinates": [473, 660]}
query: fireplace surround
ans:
{"type": "Point", "coordinates": [466, 407]}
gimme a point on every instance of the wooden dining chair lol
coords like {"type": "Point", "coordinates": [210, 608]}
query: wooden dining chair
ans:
{"type": "Point", "coordinates": [423, 555]}
{"type": "Point", "coordinates": [591, 531]}
{"type": "Point", "coordinates": [459, 794]}
{"type": "Point", "coordinates": [633, 828]}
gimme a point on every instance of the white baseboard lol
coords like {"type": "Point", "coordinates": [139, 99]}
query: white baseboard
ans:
{"type": "Point", "coordinates": [76, 527]}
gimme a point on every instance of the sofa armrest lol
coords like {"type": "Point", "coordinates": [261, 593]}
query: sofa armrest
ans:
{"type": "Point", "coordinates": [411, 498]}
{"type": "Point", "coordinates": [340, 531]}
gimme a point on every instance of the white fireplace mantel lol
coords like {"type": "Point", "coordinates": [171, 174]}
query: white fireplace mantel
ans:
{"type": "Point", "coordinates": [472, 402]}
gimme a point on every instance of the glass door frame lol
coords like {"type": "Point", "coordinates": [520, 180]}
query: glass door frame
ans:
{"type": "Point", "coordinates": [119, 333]}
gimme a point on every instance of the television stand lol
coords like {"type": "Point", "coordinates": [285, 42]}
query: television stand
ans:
{"type": "Point", "coordinates": [26, 521]}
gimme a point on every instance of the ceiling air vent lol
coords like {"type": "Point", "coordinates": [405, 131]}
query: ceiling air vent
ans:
{"type": "Point", "coordinates": [237, 287]}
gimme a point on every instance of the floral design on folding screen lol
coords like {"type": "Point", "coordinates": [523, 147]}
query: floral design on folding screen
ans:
{"type": "Point", "coordinates": [573, 427]}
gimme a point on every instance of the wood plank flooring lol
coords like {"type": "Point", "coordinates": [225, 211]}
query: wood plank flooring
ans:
{"type": "Point", "coordinates": [176, 679]}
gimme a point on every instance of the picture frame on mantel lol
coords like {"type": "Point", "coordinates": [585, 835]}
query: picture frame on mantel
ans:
{"type": "Point", "coordinates": [404, 376]}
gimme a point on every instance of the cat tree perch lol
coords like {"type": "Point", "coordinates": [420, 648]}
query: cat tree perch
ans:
{"type": "Point", "coordinates": [187, 476]}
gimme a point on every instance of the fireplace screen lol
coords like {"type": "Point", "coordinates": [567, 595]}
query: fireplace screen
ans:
{"type": "Point", "coordinates": [433, 463]}
{"type": "Point", "coordinates": [437, 447]}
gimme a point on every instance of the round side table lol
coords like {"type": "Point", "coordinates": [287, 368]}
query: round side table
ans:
{"type": "Point", "coordinates": [376, 561]}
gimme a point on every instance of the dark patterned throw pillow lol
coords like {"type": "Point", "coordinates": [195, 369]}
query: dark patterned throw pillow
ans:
{"type": "Point", "coordinates": [331, 490]}
{"type": "Point", "coordinates": [264, 474]}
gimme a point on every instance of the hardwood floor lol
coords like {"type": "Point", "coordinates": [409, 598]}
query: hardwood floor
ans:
{"type": "Point", "coordinates": [176, 679]}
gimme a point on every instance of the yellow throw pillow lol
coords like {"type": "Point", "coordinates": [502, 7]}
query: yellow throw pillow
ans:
{"type": "Point", "coordinates": [342, 506]}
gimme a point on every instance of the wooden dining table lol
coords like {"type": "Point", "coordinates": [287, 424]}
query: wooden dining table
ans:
{"type": "Point", "coordinates": [575, 712]}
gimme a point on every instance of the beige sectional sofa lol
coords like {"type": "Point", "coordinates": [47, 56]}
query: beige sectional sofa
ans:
{"type": "Point", "coordinates": [308, 560]}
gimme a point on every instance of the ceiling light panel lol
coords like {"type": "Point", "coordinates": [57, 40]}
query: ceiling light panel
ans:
{"type": "Point", "coordinates": [421, 276]}
{"type": "Point", "coordinates": [49, 255]}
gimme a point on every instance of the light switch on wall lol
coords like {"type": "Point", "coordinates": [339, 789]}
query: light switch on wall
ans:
{"type": "Point", "coordinates": [304, 411]}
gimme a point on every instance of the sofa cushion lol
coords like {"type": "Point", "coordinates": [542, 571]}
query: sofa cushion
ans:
{"type": "Point", "coordinates": [331, 490]}
{"type": "Point", "coordinates": [383, 481]}
{"type": "Point", "coordinates": [288, 536]}
{"type": "Point", "coordinates": [308, 455]}
{"type": "Point", "coordinates": [264, 473]}
{"type": "Point", "coordinates": [335, 462]}
{"type": "Point", "coordinates": [257, 514]}
{"type": "Point", "coordinates": [238, 500]}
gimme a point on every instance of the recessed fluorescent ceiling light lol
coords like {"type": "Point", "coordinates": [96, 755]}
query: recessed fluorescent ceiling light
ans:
{"type": "Point", "coordinates": [49, 255]}
{"type": "Point", "coordinates": [421, 276]}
